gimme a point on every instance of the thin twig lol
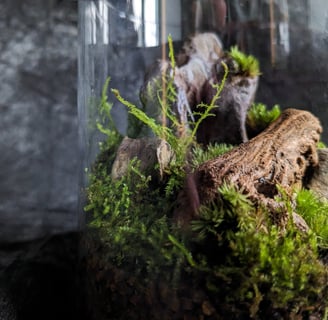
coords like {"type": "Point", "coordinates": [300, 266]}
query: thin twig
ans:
{"type": "Point", "coordinates": [272, 33]}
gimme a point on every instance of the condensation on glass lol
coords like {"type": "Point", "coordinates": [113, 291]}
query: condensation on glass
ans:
{"type": "Point", "coordinates": [122, 38]}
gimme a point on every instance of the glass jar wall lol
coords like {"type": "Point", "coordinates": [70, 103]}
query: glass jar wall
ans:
{"type": "Point", "coordinates": [147, 258]}
{"type": "Point", "coordinates": [122, 39]}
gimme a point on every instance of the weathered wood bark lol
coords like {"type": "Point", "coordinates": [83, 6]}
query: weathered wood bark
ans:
{"type": "Point", "coordinates": [319, 179]}
{"type": "Point", "coordinates": [235, 100]}
{"type": "Point", "coordinates": [194, 68]}
{"type": "Point", "coordinates": [281, 155]}
{"type": "Point", "coordinates": [154, 155]}
{"type": "Point", "coordinates": [198, 68]}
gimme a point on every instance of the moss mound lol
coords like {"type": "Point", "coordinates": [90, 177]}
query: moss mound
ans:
{"type": "Point", "coordinates": [231, 262]}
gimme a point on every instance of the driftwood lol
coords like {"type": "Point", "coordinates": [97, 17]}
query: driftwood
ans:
{"type": "Point", "coordinates": [319, 179]}
{"type": "Point", "coordinates": [199, 66]}
{"type": "Point", "coordinates": [235, 100]}
{"type": "Point", "coordinates": [194, 69]}
{"type": "Point", "coordinates": [280, 155]}
{"type": "Point", "coordinates": [153, 154]}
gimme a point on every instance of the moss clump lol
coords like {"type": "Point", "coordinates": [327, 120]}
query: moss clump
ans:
{"type": "Point", "coordinates": [238, 262]}
{"type": "Point", "coordinates": [259, 117]}
{"type": "Point", "coordinates": [130, 226]}
{"type": "Point", "coordinates": [321, 145]}
{"type": "Point", "coordinates": [254, 266]}
{"type": "Point", "coordinates": [201, 155]}
{"type": "Point", "coordinates": [248, 65]}
{"type": "Point", "coordinates": [315, 212]}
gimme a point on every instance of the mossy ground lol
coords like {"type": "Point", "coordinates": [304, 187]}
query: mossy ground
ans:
{"type": "Point", "coordinates": [231, 263]}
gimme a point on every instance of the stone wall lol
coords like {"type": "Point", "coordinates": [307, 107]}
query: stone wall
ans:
{"type": "Point", "coordinates": [38, 123]}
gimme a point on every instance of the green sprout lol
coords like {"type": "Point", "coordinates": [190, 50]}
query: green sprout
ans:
{"type": "Point", "coordinates": [259, 115]}
{"type": "Point", "coordinates": [247, 64]}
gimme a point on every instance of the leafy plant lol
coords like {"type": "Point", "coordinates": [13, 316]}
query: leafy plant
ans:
{"type": "Point", "coordinates": [180, 143]}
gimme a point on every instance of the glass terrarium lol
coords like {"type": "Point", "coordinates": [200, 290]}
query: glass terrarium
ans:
{"type": "Point", "coordinates": [202, 126]}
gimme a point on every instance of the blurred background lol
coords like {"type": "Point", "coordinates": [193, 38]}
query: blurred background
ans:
{"type": "Point", "coordinates": [38, 120]}
{"type": "Point", "coordinates": [39, 160]}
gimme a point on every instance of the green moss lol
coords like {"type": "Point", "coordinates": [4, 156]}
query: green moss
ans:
{"type": "Point", "coordinates": [314, 210]}
{"type": "Point", "coordinates": [321, 145]}
{"type": "Point", "coordinates": [259, 117]}
{"type": "Point", "coordinates": [130, 225]}
{"type": "Point", "coordinates": [248, 64]}
{"type": "Point", "coordinates": [232, 255]}
{"type": "Point", "coordinates": [200, 155]}
{"type": "Point", "coordinates": [257, 266]}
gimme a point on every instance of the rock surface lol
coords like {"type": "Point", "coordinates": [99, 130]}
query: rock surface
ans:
{"type": "Point", "coordinates": [39, 279]}
{"type": "Point", "coordinates": [38, 123]}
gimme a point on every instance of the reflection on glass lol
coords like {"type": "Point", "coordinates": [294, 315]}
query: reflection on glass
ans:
{"type": "Point", "coordinates": [146, 20]}
{"type": "Point", "coordinates": [154, 20]}
{"type": "Point", "coordinates": [97, 13]}
{"type": "Point", "coordinates": [123, 38]}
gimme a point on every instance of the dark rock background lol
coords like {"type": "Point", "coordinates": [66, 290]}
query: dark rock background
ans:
{"type": "Point", "coordinates": [39, 161]}
{"type": "Point", "coordinates": [38, 123]}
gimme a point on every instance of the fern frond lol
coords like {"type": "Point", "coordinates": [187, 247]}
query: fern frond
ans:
{"type": "Point", "coordinates": [207, 109]}
{"type": "Point", "coordinates": [158, 129]}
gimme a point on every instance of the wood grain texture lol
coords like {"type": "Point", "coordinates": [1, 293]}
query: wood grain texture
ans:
{"type": "Point", "coordinates": [319, 180]}
{"type": "Point", "coordinates": [280, 155]}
